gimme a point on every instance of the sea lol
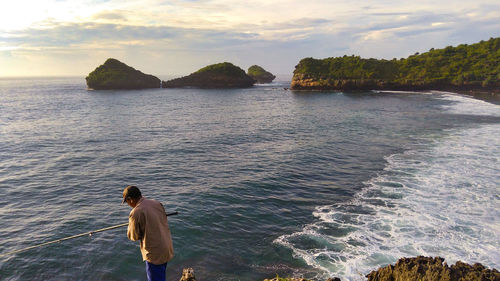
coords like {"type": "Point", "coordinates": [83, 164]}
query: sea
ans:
{"type": "Point", "coordinates": [266, 181]}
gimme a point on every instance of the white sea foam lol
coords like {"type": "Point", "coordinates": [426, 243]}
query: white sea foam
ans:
{"type": "Point", "coordinates": [441, 198]}
{"type": "Point", "coordinates": [466, 105]}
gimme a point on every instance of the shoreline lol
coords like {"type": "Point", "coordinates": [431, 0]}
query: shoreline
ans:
{"type": "Point", "coordinates": [488, 96]}
{"type": "Point", "coordinates": [492, 97]}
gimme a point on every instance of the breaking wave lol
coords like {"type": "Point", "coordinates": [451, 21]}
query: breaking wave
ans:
{"type": "Point", "coordinates": [441, 197]}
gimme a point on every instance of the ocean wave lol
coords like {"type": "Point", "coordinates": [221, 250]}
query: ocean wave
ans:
{"type": "Point", "coordinates": [466, 105]}
{"type": "Point", "coordinates": [438, 198]}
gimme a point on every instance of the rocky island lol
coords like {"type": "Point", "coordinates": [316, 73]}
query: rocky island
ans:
{"type": "Point", "coordinates": [260, 74]}
{"type": "Point", "coordinates": [474, 67]}
{"type": "Point", "coordinates": [114, 74]}
{"type": "Point", "coordinates": [220, 75]}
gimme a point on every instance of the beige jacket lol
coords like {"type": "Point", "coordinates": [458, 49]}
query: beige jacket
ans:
{"type": "Point", "coordinates": [148, 223]}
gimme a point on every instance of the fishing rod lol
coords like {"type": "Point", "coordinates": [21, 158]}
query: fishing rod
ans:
{"type": "Point", "coordinates": [89, 233]}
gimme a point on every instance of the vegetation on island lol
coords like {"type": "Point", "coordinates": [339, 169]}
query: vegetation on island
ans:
{"type": "Point", "coordinates": [260, 74]}
{"type": "Point", "coordinates": [220, 75]}
{"type": "Point", "coordinates": [224, 68]}
{"type": "Point", "coordinates": [464, 67]}
{"type": "Point", "coordinates": [114, 74]}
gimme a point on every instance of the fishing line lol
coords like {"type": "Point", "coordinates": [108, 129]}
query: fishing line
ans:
{"type": "Point", "coordinates": [89, 233]}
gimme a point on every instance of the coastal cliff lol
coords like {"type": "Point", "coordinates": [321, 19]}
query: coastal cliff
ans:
{"type": "Point", "coordinates": [221, 75]}
{"type": "Point", "coordinates": [461, 68]}
{"type": "Point", "coordinates": [114, 74]}
{"type": "Point", "coordinates": [260, 74]}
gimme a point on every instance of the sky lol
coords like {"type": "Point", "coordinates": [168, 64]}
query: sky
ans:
{"type": "Point", "coordinates": [177, 37]}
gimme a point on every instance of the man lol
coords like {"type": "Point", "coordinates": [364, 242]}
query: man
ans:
{"type": "Point", "coordinates": [148, 223]}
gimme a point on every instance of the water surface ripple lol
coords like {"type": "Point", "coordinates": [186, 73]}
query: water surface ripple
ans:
{"type": "Point", "coordinates": [265, 180]}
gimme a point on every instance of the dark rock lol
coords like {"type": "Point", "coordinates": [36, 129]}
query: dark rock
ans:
{"type": "Point", "coordinates": [286, 279]}
{"type": "Point", "coordinates": [277, 278]}
{"type": "Point", "coordinates": [114, 74]}
{"type": "Point", "coordinates": [188, 275]}
{"type": "Point", "coordinates": [260, 74]}
{"type": "Point", "coordinates": [221, 75]}
{"type": "Point", "coordinates": [433, 269]}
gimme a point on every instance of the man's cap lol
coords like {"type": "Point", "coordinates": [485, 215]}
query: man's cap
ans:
{"type": "Point", "coordinates": [131, 191]}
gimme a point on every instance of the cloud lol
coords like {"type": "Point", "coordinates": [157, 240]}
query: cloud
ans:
{"type": "Point", "coordinates": [418, 31]}
{"type": "Point", "coordinates": [71, 34]}
{"type": "Point", "coordinates": [186, 35]}
{"type": "Point", "coordinates": [110, 15]}
{"type": "Point", "coordinates": [389, 14]}
{"type": "Point", "coordinates": [55, 34]}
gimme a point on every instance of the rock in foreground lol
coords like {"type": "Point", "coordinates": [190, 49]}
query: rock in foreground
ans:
{"type": "Point", "coordinates": [260, 74]}
{"type": "Point", "coordinates": [298, 279]}
{"type": "Point", "coordinates": [188, 275]}
{"type": "Point", "coordinates": [221, 75]}
{"type": "Point", "coordinates": [433, 269]}
{"type": "Point", "coordinates": [114, 74]}
{"type": "Point", "coordinates": [417, 268]}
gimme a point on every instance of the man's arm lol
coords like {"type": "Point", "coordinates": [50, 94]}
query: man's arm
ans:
{"type": "Point", "coordinates": [134, 230]}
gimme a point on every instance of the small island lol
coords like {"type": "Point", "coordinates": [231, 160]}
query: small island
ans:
{"type": "Point", "coordinates": [114, 74]}
{"type": "Point", "coordinates": [260, 74]}
{"type": "Point", "coordinates": [474, 67]}
{"type": "Point", "coordinates": [220, 75]}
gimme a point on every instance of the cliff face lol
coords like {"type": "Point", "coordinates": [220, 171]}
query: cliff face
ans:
{"type": "Point", "coordinates": [309, 82]}
{"type": "Point", "coordinates": [465, 67]}
{"type": "Point", "coordinates": [221, 75]}
{"type": "Point", "coordinates": [260, 74]}
{"type": "Point", "coordinates": [114, 74]}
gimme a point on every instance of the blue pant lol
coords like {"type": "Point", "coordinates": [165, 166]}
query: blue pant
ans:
{"type": "Point", "coordinates": [156, 272]}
